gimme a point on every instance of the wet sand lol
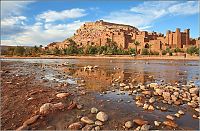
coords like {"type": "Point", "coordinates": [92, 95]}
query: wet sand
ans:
{"type": "Point", "coordinates": [28, 84]}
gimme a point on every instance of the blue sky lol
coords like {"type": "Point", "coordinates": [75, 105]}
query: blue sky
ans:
{"type": "Point", "coordinates": [36, 23]}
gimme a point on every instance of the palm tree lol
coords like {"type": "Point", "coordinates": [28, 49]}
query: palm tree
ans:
{"type": "Point", "coordinates": [136, 43]}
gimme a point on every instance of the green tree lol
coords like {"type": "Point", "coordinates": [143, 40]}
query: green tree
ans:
{"type": "Point", "coordinates": [19, 51]}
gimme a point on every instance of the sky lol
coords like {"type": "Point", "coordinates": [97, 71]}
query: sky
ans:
{"type": "Point", "coordinates": [32, 23]}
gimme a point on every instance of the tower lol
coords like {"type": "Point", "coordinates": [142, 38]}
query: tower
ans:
{"type": "Point", "coordinates": [178, 38]}
{"type": "Point", "coordinates": [187, 32]}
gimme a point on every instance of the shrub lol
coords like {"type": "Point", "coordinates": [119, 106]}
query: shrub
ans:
{"type": "Point", "coordinates": [145, 51]}
{"type": "Point", "coordinates": [192, 50]}
{"type": "Point", "coordinates": [164, 52]}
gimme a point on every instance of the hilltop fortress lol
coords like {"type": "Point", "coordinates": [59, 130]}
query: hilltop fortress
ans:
{"type": "Point", "coordinates": [100, 32]}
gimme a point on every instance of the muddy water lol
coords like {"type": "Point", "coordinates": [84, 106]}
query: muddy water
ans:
{"type": "Point", "coordinates": [118, 104]}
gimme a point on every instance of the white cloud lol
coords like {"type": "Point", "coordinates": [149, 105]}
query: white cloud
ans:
{"type": "Point", "coordinates": [41, 33]}
{"type": "Point", "coordinates": [51, 16]}
{"type": "Point", "coordinates": [12, 25]}
{"type": "Point", "coordinates": [12, 8]}
{"type": "Point", "coordinates": [143, 15]}
{"type": "Point", "coordinates": [188, 8]}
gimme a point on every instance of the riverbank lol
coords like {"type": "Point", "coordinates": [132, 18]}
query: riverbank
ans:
{"type": "Point", "coordinates": [107, 57]}
{"type": "Point", "coordinates": [60, 95]}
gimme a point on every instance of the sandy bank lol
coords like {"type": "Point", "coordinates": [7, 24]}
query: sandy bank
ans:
{"type": "Point", "coordinates": [107, 57]}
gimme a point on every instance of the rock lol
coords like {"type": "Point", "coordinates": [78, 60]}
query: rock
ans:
{"type": "Point", "coordinates": [166, 95]}
{"type": "Point", "coordinates": [170, 123]}
{"type": "Point", "coordinates": [87, 120]}
{"type": "Point", "coordinates": [62, 95]}
{"type": "Point", "coordinates": [97, 128]}
{"type": "Point", "coordinates": [174, 98]}
{"type": "Point", "coordinates": [31, 120]}
{"type": "Point", "coordinates": [122, 84]}
{"type": "Point", "coordinates": [129, 124]}
{"type": "Point", "coordinates": [152, 100]}
{"type": "Point", "coordinates": [138, 128]}
{"type": "Point", "coordinates": [142, 87]}
{"type": "Point", "coordinates": [94, 110]}
{"type": "Point", "coordinates": [140, 122]}
{"type": "Point", "coordinates": [99, 123]}
{"type": "Point", "coordinates": [192, 104]}
{"type": "Point", "coordinates": [87, 128]}
{"type": "Point", "coordinates": [194, 90]}
{"type": "Point", "coordinates": [157, 123]}
{"type": "Point", "coordinates": [139, 103]}
{"type": "Point", "coordinates": [102, 116]}
{"type": "Point", "coordinates": [126, 87]}
{"type": "Point", "coordinates": [45, 108]}
{"type": "Point", "coordinates": [137, 97]}
{"type": "Point", "coordinates": [159, 91]}
{"type": "Point", "coordinates": [23, 127]}
{"type": "Point", "coordinates": [71, 106]}
{"type": "Point", "coordinates": [176, 94]}
{"type": "Point", "coordinates": [147, 93]}
{"type": "Point", "coordinates": [177, 115]}
{"type": "Point", "coordinates": [181, 112]}
{"type": "Point", "coordinates": [170, 117]}
{"type": "Point", "coordinates": [59, 105]}
{"type": "Point", "coordinates": [177, 102]}
{"type": "Point", "coordinates": [163, 108]}
{"type": "Point", "coordinates": [150, 107]}
{"type": "Point", "coordinates": [145, 127]}
{"type": "Point", "coordinates": [194, 116]}
{"type": "Point", "coordinates": [197, 109]}
{"type": "Point", "coordinates": [75, 126]}
{"type": "Point", "coordinates": [153, 85]}
{"type": "Point", "coordinates": [146, 106]}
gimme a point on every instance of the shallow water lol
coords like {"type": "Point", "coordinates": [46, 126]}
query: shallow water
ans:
{"type": "Point", "coordinates": [99, 83]}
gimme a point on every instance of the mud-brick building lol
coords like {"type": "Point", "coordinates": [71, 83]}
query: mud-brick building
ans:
{"type": "Point", "coordinates": [100, 32]}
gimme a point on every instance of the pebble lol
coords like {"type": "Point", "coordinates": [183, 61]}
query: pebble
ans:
{"type": "Point", "coordinates": [140, 122]}
{"type": "Point", "coordinates": [152, 100]}
{"type": "Point", "coordinates": [163, 108]}
{"type": "Point", "coordinates": [62, 95]}
{"type": "Point", "coordinates": [138, 103]}
{"type": "Point", "coordinates": [129, 124]}
{"type": "Point", "coordinates": [97, 128]}
{"type": "Point", "coordinates": [94, 110]}
{"type": "Point", "coordinates": [146, 106]}
{"type": "Point", "coordinates": [99, 123]}
{"type": "Point", "coordinates": [194, 116]}
{"type": "Point", "coordinates": [45, 108]}
{"type": "Point", "coordinates": [170, 117]}
{"type": "Point", "coordinates": [87, 120]}
{"type": "Point", "coordinates": [177, 115]}
{"type": "Point", "coordinates": [150, 107]}
{"type": "Point", "coordinates": [145, 127]}
{"type": "Point", "coordinates": [170, 123]}
{"type": "Point", "coordinates": [181, 112]}
{"type": "Point", "coordinates": [157, 123]}
{"type": "Point", "coordinates": [102, 116]}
